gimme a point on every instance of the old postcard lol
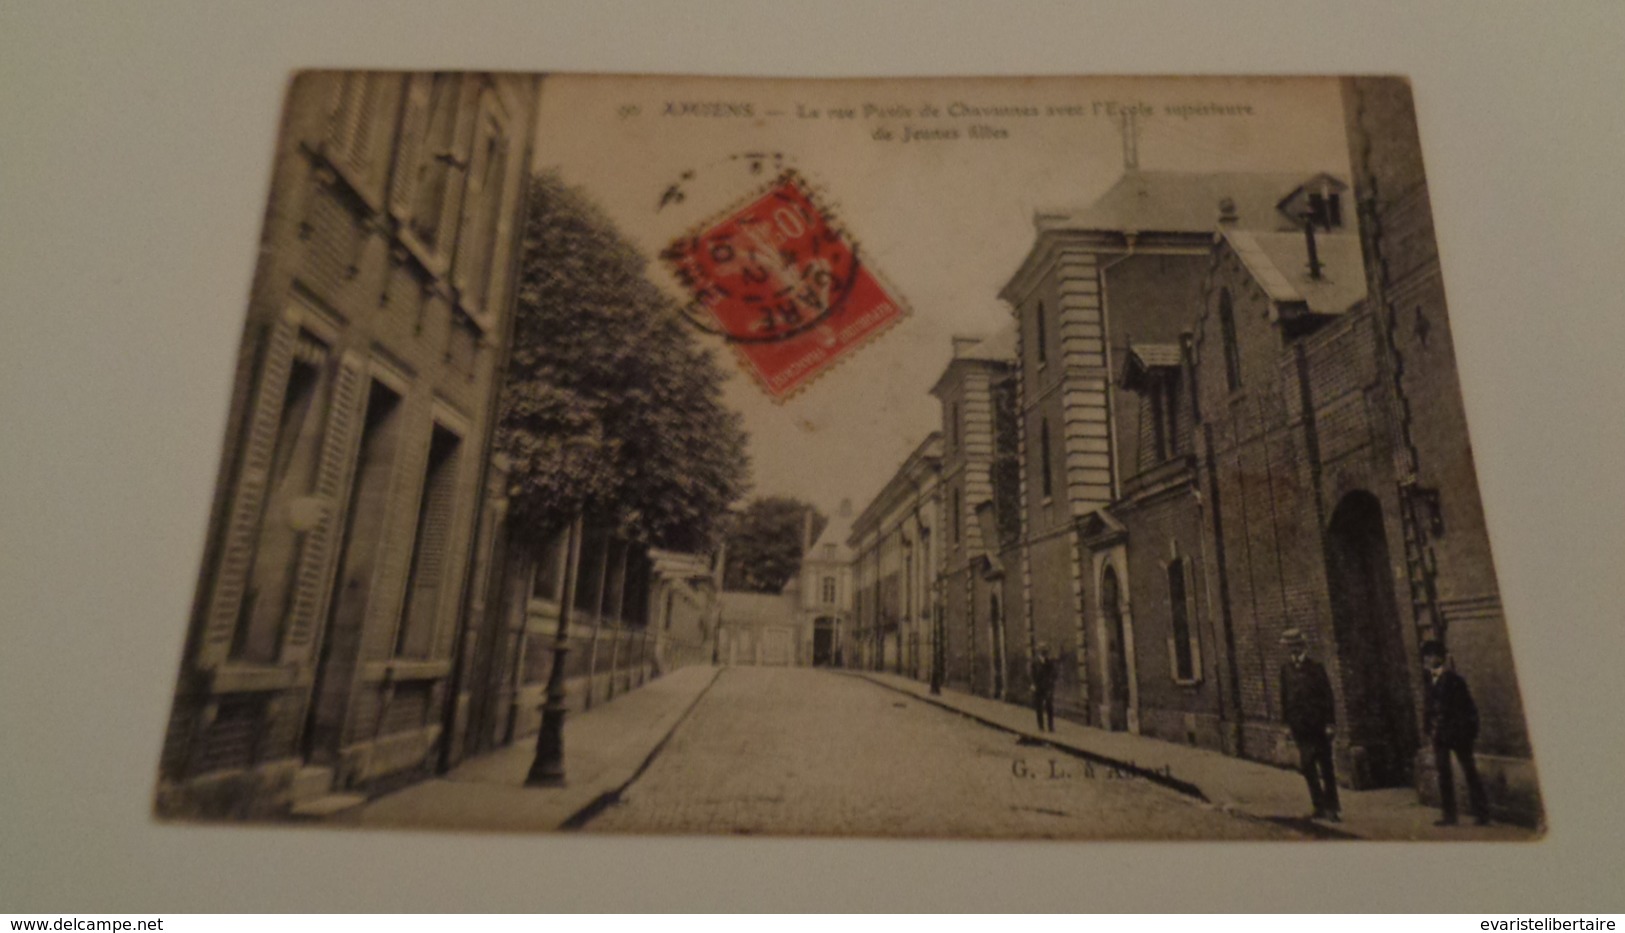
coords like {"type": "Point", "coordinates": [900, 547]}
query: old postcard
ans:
{"type": "Point", "coordinates": [1074, 458]}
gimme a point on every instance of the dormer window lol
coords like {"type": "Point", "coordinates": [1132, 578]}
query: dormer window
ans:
{"type": "Point", "coordinates": [1326, 210]}
{"type": "Point", "coordinates": [1317, 204]}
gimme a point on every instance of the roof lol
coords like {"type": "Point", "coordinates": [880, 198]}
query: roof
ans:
{"type": "Point", "coordinates": [998, 348]}
{"type": "Point", "coordinates": [835, 532]}
{"type": "Point", "coordinates": [1184, 202]}
{"type": "Point", "coordinates": [1142, 357]}
{"type": "Point", "coordinates": [761, 608]}
{"type": "Point", "coordinates": [1155, 354]}
{"type": "Point", "coordinates": [1280, 264]}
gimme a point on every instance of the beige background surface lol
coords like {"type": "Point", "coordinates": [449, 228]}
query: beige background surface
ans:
{"type": "Point", "coordinates": [134, 149]}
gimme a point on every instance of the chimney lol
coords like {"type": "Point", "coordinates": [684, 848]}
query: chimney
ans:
{"type": "Point", "coordinates": [1227, 212]}
{"type": "Point", "coordinates": [963, 343]}
{"type": "Point", "coordinates": [846, 508]}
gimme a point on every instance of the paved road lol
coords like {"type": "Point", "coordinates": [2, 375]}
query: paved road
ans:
{"type": "Point", "coordinates": [789, 750]}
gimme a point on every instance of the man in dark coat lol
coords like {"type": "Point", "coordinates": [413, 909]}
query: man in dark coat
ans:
{"type": "Point", "coordinates": [1450, 718]}
{"type": "Point", "coordinates": [1044, 689]}
{"type": "Point", "coordinates": [1310, 713]}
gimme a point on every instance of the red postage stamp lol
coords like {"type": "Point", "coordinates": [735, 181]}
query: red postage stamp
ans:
{"type": "Point", "coordinates": [784, 284]}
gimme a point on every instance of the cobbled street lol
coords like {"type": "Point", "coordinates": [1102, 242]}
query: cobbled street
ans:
{"type": "Point", "coordinates": [793, 750]}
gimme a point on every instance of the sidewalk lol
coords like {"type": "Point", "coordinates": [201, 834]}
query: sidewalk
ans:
{"type": "Point", "coordinates": [604, 749]}
{"type": "Point", "coordinates": [1247, 789]}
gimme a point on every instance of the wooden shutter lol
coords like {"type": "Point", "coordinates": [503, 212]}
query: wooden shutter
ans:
{"type": "Point", "coordinates": [248, 498]}
{"type": "Point", "coordinates": [434, 537]}
{"type": "Point", "coordinates": [466, 263]}
{"type": "Point", "coordinates": [313, 581]}
{"type": "Point", "coordinates": [412, 149]}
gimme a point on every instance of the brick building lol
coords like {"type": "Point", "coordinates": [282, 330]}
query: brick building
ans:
{"type": "Point", "coordinates": [1147, 585]}
{"type": "Point", "coordinates": [1449, 582]}
{"type": "Point", "coordinates": [1129, 264]}
{"type": "Point", "coordinates": [895, 557]}
{"type": "Point", "coordinates": [322, 646]}
{"type": "Point", "coordinates": [979, 650]}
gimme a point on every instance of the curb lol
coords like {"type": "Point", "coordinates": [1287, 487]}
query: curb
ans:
{"type": "Point", "coordinates": [1128, 767]}
{"type": "Point", "coordinates": [1185, 788]}
{"type": "Point", "coordinates": [610, 797]}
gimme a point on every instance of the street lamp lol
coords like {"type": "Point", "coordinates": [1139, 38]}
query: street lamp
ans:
{"type": "Point", "coordinates": [547, 768]}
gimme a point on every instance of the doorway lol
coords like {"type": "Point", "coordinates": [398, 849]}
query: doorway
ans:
{"type": "Point", "coordinates": [1116, 653]}
{"type": "Point", "coordinates": [823, 642]}
{"type": "Point", "coordinates": [1376, 676]}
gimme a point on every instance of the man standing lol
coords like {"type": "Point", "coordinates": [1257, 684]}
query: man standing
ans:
{"type": "Point", "coordinates": [1451, 718]}
{"type": "Point", "coordinates": [1044, 689]}
{"type": "Point", "coordinates": [1309, 711]}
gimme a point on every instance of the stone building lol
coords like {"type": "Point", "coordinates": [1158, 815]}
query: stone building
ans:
{"type": "Point", "coordinates": [1449, 585]}
{"type": "Point", "coordinates": [896, 554]}
{"type": "Point", "coordinates": [979, 650]}
{"type": "Point", "coordinates": [321, 650]}
{"type": "Point", "coordinates": [823, 589]}
{"type": "Point", "coordinates": [1129, 264]}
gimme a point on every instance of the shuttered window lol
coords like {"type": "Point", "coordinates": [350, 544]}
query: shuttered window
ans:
{"type": "Point", "coordinates": [262, 610]}
{"type": "Point", "coordinates": [430, 548]}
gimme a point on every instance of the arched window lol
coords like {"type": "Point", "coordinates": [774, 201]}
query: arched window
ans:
{"type": "Point", "coordinates": [1232, 351]}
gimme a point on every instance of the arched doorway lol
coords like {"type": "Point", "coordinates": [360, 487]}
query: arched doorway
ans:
{"type": "Point", "coordinates": [823, 642]}
{"type": "Point", "coordinates": [1116, 651]}
{"type": "Point", "coordinates": [1376, 677]}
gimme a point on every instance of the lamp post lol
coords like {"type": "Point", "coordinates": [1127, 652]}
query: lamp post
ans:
{"type": "Point", "coordinates": [547, 768]}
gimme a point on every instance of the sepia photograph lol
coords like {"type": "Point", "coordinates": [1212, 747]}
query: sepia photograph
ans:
{"type": "Point", "coordinates": [1069, 458]}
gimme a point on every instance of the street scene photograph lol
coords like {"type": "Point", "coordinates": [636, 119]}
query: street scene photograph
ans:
{"type": "Point", "coordinates": [1011, 458]}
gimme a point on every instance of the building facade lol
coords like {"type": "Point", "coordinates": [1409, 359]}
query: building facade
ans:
{"type": "Point", "coordinates": [321, 653]}
{"type": "Point", "coordinates": [979, 650]}
{"type": "Point", "coordinates": [1450, 585]}
{"type": "Point", "coordinates": [1129, 266]}
{"type": "Point", "coordinates": [896, 554]}
{"type": "Point", "coordinates": [824, 589]}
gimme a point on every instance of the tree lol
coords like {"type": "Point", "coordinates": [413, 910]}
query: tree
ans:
{"type": "Point", "coordinates": [611, 410]}
{"type": "Point", "coordinates": [765, 543]}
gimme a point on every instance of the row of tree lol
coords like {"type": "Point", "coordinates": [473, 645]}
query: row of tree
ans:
{"type": "Point", "coordinates": [613, 410]}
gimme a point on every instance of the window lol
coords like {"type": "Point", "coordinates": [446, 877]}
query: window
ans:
{"type": "Point", "coordinates": [487, 172]}
{"type": "Point", "coordinates": [1183, 650]}
{"type": "Point", "coordinates": [954, 506]}
{"type": "Point", "coordinates": [1232, 351]}
{"type": "Point", "coordinates": [269, 593]}
{"type": "Point", "coordinates": [1326, 210]}
{"type": "Point", "coordinates": [829, 589]}
{"type": "Point", "coordinates": [1046, 478]}
{"type": "Point", "coordinates": [430, 548]}
{"type": "Point", "coordinates": [1042, 342]}
{"type": "Point", "coordinates": [953, 426]}
{"type": "Point", "coordinates": [439, 159]}
{"type": "Point", "coordinates": [1164, 401]}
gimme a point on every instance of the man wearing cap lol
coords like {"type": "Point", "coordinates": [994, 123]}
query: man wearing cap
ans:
{"type": "Point", "coordinates": [1044, 689]}
{"type": "Point", "coordinates": [1310, 713]}
{"type": "Point", "coordinates": [1450, 718]}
